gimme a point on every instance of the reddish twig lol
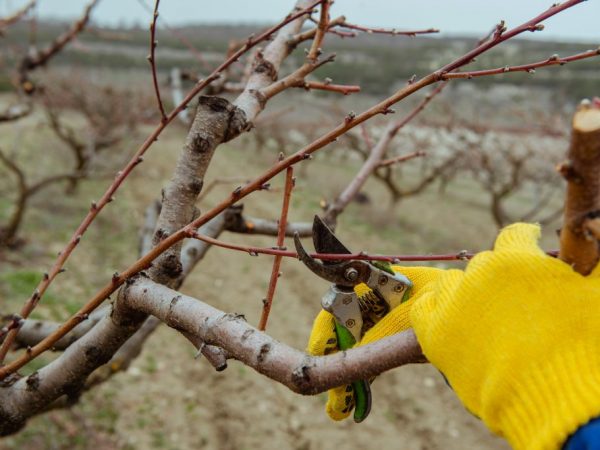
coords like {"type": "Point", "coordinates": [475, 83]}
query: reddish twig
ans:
{"type": "Point", "coordinates": [402, 158]}
{"type": "Point", "coordinates": [17, 15]}
{"type": "Point", "coordinates": [217, 181]}
{"type": "Point", "coordinates": [31, 62]}
{"type": "Point", "coordinates": [107, 197]}
{"type": "Point", "coordinates": [391, 31]}
{"type": "Point", "coordinates": [374, 159]}
{"type": "Point", "coordinates": [315, 48]}
{"type": "Point", "coordinates": [178, 35]}
{"type": "Point", "coordinates": [501, 34]}
{"type": "Point", "coordinates": [349, 122]}
{"type": "Point", "coordinates": [152, 61]}
{"type": "Point", "coordinates": [282, 252]}
{"type": "Point", "coordinates": [420, 107]}
{"type": "Point", "coordinates": [554, 60]}
{"type": "Point", "coordinates": [312, 59]}
{"type": "Point", "coordinates": [310, 34]}
{"type": "Point", "coordinates": [327, 86]}
{"type": "Point", "coordinates": [268, 302]}
{"type": "Point", "coordinates": [341, 33]}
{"type": "Point", "coordinates": [364, 256]}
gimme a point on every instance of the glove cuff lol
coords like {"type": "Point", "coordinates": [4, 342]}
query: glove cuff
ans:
{"type": "Point", "coordinates": [550, 401]}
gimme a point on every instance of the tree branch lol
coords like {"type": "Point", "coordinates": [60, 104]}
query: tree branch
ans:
{"type": "Point", "coordinates": [554, 60]}
{"type": "Point", "coordinates": [152, 61]}
{"type": "Point", "coordinates": [16, 16]}
{"type": "Point", "coordinates": [296, 370]}
{"type": "Point", "coordinates": [579, 245]}
{"type": "Point", "coordinates": [33, 61]}
{"type": "Point", "coordinates": [268, 302]}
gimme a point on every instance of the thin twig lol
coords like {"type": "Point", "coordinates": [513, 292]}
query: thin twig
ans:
{"type": "Point", "coordinates": [255, 251]}
{"type": "Point", "coordinates": [31, 62]}
{"type": "Point", "coordinates": [463, 255]}
{"type": "Point", "coordinates": [401, 158]}
{"type": "Point", "coordinates": [217, 181]}
{"type": "Point", "coordinates": [341, 88]}
{"type": "Point", "coordinates": [268, 302]}
{"type": "Point", "coordinates": [502, 35]}
{"type": "Point", "coordinates": [16, 16]}
{"type": "Point", "coordinates": [312, 59]}
{"type": "Point", "coordinates": [420, 107]}
{"type": "Point", "coordinates": [152, 60]}
{"type": "Point", "coordinates": [315, 48]}
{"type": "Point", "coordinates": [178, 35]}
{"type": "Point", "coordinates": [554, 60]}
{"type": "Point", "coordinates": [391, 31]}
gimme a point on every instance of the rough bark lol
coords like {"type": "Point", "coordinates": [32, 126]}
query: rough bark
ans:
{"type": "Point", "coordinates": [298, 371]}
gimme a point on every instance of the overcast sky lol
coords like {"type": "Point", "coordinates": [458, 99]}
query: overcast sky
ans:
{"type": "Point", "coordinates": [451, 16]}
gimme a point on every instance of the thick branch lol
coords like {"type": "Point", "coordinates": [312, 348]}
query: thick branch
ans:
{"type": "Point", "coordinates": [298, 371]}
{"type": "Point", "coordinates": [579, 246]}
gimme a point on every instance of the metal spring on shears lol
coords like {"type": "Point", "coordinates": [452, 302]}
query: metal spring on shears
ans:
{"type": "Point", "coordinates": [370, 303]}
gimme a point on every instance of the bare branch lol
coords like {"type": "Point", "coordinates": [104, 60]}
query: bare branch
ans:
{"type": "Point", "coordinates": [328, 86]}
{"type": "Point", "coordinates": [255, 251]}
{"type": "Point", "coordinates": [268, 302]}
{"type": "Point", "coordinates": [578, 241]}
{"type": "Point", "coordinates": [152, 60]}
{"type": "Point", "coordinates": [554, 60]}
{"type": "Point", "coordinates": [401, 158]}
{"type": "Point", "coordinates": [312, 59]}
{"type": "Point", "coordinates": [374, 160]}
{"type": "Point", "coordinates": [296, 370]}
{"type": "Point", "coordinates": [390, 31]}
{"type": "Point", "coordinates": [33, 61]}
{"type": "Point", "coordinates": [17, 15]}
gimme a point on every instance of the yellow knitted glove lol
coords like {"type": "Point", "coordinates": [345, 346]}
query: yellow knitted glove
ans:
{"type": "Point", "coordinates": [323, 340]}
{"type": "Point", "coordinates": [517, 335]}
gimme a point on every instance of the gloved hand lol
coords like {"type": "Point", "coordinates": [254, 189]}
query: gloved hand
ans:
{"type": "Point", "coordinates": [323, 340]}
{"type": "Point", "coordinates": [517, 335]}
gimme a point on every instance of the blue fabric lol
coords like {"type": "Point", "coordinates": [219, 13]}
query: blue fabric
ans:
{"type": "Point", "coordinates": [586, 437]}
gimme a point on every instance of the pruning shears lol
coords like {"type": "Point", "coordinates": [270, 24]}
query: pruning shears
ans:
{"type": "Point", "coordinates": [354, 314]}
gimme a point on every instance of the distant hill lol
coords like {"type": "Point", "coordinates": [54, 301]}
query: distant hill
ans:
{"type": "Point", "coordinates": [378, 63]}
